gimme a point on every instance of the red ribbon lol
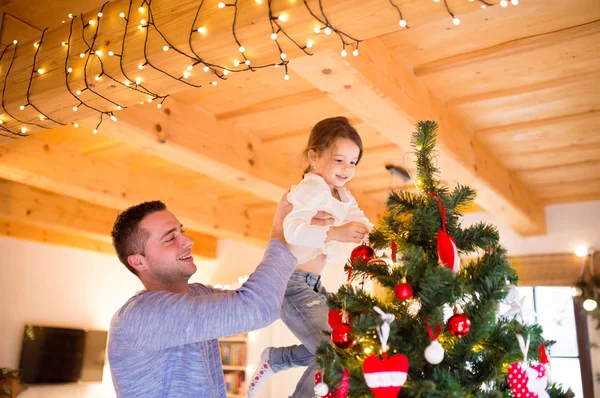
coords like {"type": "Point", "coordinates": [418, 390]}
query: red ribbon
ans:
{"type": "Point", "coordinates": [438, 329]}
{"type": "Point", "coordinates": [442, 209]}
{"type": "Point", "coordinates": [342, 391]}
{"type": "Point", "coordinates": [543, 356]}
{"type": "Point", "coordinates": [394, 251]}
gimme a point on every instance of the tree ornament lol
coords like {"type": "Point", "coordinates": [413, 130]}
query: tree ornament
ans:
{"type": "Point", "coordinates": [403, 290]}
{"type": "Point", "coordinates": [360, 253]}
{"type": "Point", "coordinates": [434, 353]}
{"type": "Point", "coordinates": [342, 337]}
{"type": "Point", "coordinates": [458, 324]}
{"type": "Point", "coordinates": [394, 251]}
{"type": "Point", "coordinates": [385, 377]}
{"type": "Point", "coordinates": [318, 377]}
{"type": "Point", "coordinates": [321, 389]}
{"type": "Point", "coordinates": [546, 362]}
{"type": "Point", "coordinates": [344, 388]}
{"type": "Point", "coordinates": [527, 381]}
{"type": "Point", "coordinates": [446, 246]}
{"type": "Point", "coordinates": [335, 317]}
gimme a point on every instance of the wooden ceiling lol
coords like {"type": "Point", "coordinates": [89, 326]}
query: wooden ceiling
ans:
{"type": "Point", "coordinates": [515, 92]}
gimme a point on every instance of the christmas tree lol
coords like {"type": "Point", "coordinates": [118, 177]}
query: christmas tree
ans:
{"type": "Point", "coordinates": [400, 344]}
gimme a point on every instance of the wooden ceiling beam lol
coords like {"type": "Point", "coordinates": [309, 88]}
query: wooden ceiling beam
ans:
{"type": "Point", "coordinates": [25, 205]}
{"type": "Point", "coordinates": [510, 47]}
{"type": "Point", "coordinates": [57, 169]}
{"type": "Point", "coordinates": [384, 92]}
{"type": "Point", "coordinates": [190, 137]}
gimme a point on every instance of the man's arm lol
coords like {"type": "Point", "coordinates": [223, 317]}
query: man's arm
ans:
{"type": "Point", "coordinates": [159, 319]}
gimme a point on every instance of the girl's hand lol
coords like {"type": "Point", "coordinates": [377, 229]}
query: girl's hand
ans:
{"type": "Point", "coordinates": [353, 231]}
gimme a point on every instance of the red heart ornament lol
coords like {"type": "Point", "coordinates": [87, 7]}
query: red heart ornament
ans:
{"type": "Point", "coordinates": [385, 377]}
{"type": "Point", "coordinates": [527, 382]}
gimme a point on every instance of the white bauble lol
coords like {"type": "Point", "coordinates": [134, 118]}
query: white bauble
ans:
{"type": "Point", "coordinates": [434, 354]}
{"type": "Point", "coordinates": [321, 389]}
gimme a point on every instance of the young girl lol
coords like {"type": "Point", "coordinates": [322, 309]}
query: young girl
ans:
{"type": "Point", "coordinates": [334, 150]}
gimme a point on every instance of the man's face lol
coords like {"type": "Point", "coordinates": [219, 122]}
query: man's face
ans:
{"type": "Point", "coordinates": [168, 251]}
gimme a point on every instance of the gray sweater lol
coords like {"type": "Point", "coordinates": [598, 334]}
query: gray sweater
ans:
{"type": "Point", "coordinates": [164, 344]}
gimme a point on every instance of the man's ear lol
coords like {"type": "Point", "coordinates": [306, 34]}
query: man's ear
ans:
{"type": "Point", "coordinates": [137, 262]}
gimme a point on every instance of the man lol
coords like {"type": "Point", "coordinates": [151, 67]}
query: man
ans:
{"type": "Point", "coordinates": [163, 341]}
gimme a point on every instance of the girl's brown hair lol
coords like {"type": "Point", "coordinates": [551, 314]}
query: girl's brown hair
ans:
{"type": "Point", "coordinates": [325, 132]}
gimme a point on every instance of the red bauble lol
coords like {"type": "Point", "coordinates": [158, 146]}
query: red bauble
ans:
{"type": "Point", "coordinates": [459, 325]}
{"type": "Point", "coordinates": [341, 336]}
{"type": "Point", "coordinates": [403, 291]}
{"type": "Point", "coordinates": [362, 252]}
{"type": "Point", "coordinates": [335, 318]}
{"type": "Point", "coordinates": [318, 377]}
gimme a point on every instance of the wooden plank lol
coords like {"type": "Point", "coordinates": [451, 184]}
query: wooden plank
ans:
{"type": "Point", "coordinates": [576, 172]}
{"type": "Point", "coordinates": [63, 171]}
{"type": "Point", "coordinates": [176, 20]}
{"type": "Point", "coordinates": [64, 215]}
{"type": "Point", "coordinates": [34, 233]}
{"type": "Point", "coordinates": [384, 92]}
{"type": "Point", "coordinates": [520, 45]}
{"type": "Point", "coordinates": [556, 269]}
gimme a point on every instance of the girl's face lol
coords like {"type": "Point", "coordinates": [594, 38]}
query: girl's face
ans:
{"type": "Point", "coordinates": [336, 164]}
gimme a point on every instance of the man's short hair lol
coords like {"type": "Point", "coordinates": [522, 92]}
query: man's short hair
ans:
{"type": "Point", "coordinates": [128, 238]}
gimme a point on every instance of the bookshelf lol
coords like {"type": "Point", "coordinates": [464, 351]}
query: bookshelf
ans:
{"type": "Point", "coordinates": [234, 358]}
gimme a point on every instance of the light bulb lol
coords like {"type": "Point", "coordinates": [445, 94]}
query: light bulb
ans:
{"type": "Point", "coordinates": [91, 22]}
{"type": "Point", "coordinates": [221, 5]}
{"type": "Point", "coordinates": [110, 53]}
{"type": "Point", "coordinates": [78, 92]}
{"type": "Point", "coordinates": [186, 74]}
{"type": "Point", "coordinates": [403, 23]}
{"type": "Point", "coordinates": [22, 107]}
{"type": "Point", "coordinates": [100, 15]}
{"type": "Point", "coordinates": [590, 305]}
{"type": "Point", "coordinates": [141, 66]}
{"type": "Point", "coordinates": [95, 131]}
{"type": "Point", "coordinates": [225, 72]}
{"type": "Point", "coordinates": [69, 70]}
{"type": "Point", "coordinates": [202, 30]}
{"type": "Point", "coordinates": [149, 100]}
{"type": "Point", "coordinates": [74, 109]}
{"type": "Point", "coordinates": [483, 6]}
{"type": "Point", "coordinates": [119, 107]}
{"type": "Point", "coordinates": [165, 48]}
{"type": "Point", "coordinates": [127, 84]}
{"type": "Point", "coordinates": [70, 15]}
{"type": "Point", "coordinates": [64, 43]}
{"type": "Point", "coordinates": [97, 78]}
{"type": "Point", "coordinates": [328, 30]}
{"type": "Point", "coordinates": [15, 41]}
{"type": "Point", "coordinates": [98, 53]}
{"type": "Point", "coordinates": [214, 83]}
{"type": "Point", "coordinates": [287, 77]}
{"type": "Point", "coordinates": [81, 55]}
{"type": "Point", "coordinates": [206, 69]}
{"type": "Point", "coordinates": [581, 251]}
{"type": "Point", "coordinates": [344, 53]}
{"type": "Point", "coordinates": [283, 56]}
{"type": "Point", "coordinates": [273, 36]}
{"type": "Point", "coordinates": [355, 52]}
{"type": "Point", "coordinates": [283, 17]}
{"type": "Point", "coordinates": [242, 49]}
{"type": "Point", "coordinates": [122, 15]}
{"type": "Point", "coordinates": [42, 117]}
{"type": "Point", "coordinates": [159, 106]}
{"type": "Point", "coordinates": [113, 118]}
{"type": "Point", "coordinates": [141, 9]}
{"type": "Point", "coordinates": [456, 21]}
{"type": "Point", "coordinates": [236, 62]}
{"type": "Point", "coordinates": [36, 44]}
{"type": "Point", "coordinates": [23, 130]}
{"type": "Point", "coordinates": [309, 44]}
{"type": "Point", "coordinates": [514, 2]}
{"type": "Point", "coordinates": [75, 125]}
{"type": "Point", "coordinates": [504, 3]}
{"type": "Point", "coordinates": [138, 81]}
{"type": "Point", "coordinates": [247, 62]}
{"type": "Point", "coordinates": [190, 67]}
{"type": "Point", "coordinates": [258, 1]}
{"type": "Point", "coordinates": [143, 21]}
{"type": "Point", "coordinates": [1, 121]}
{"type": "Point", "coordinates": [40, 71]}
{"type": "Point", "coordinates": [140, 27]}
{"type": "Point", "coordinates": [317, 30]}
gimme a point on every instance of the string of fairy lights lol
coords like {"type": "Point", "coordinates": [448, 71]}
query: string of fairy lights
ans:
{"type": "Point", "coordinates": [84, 92]}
